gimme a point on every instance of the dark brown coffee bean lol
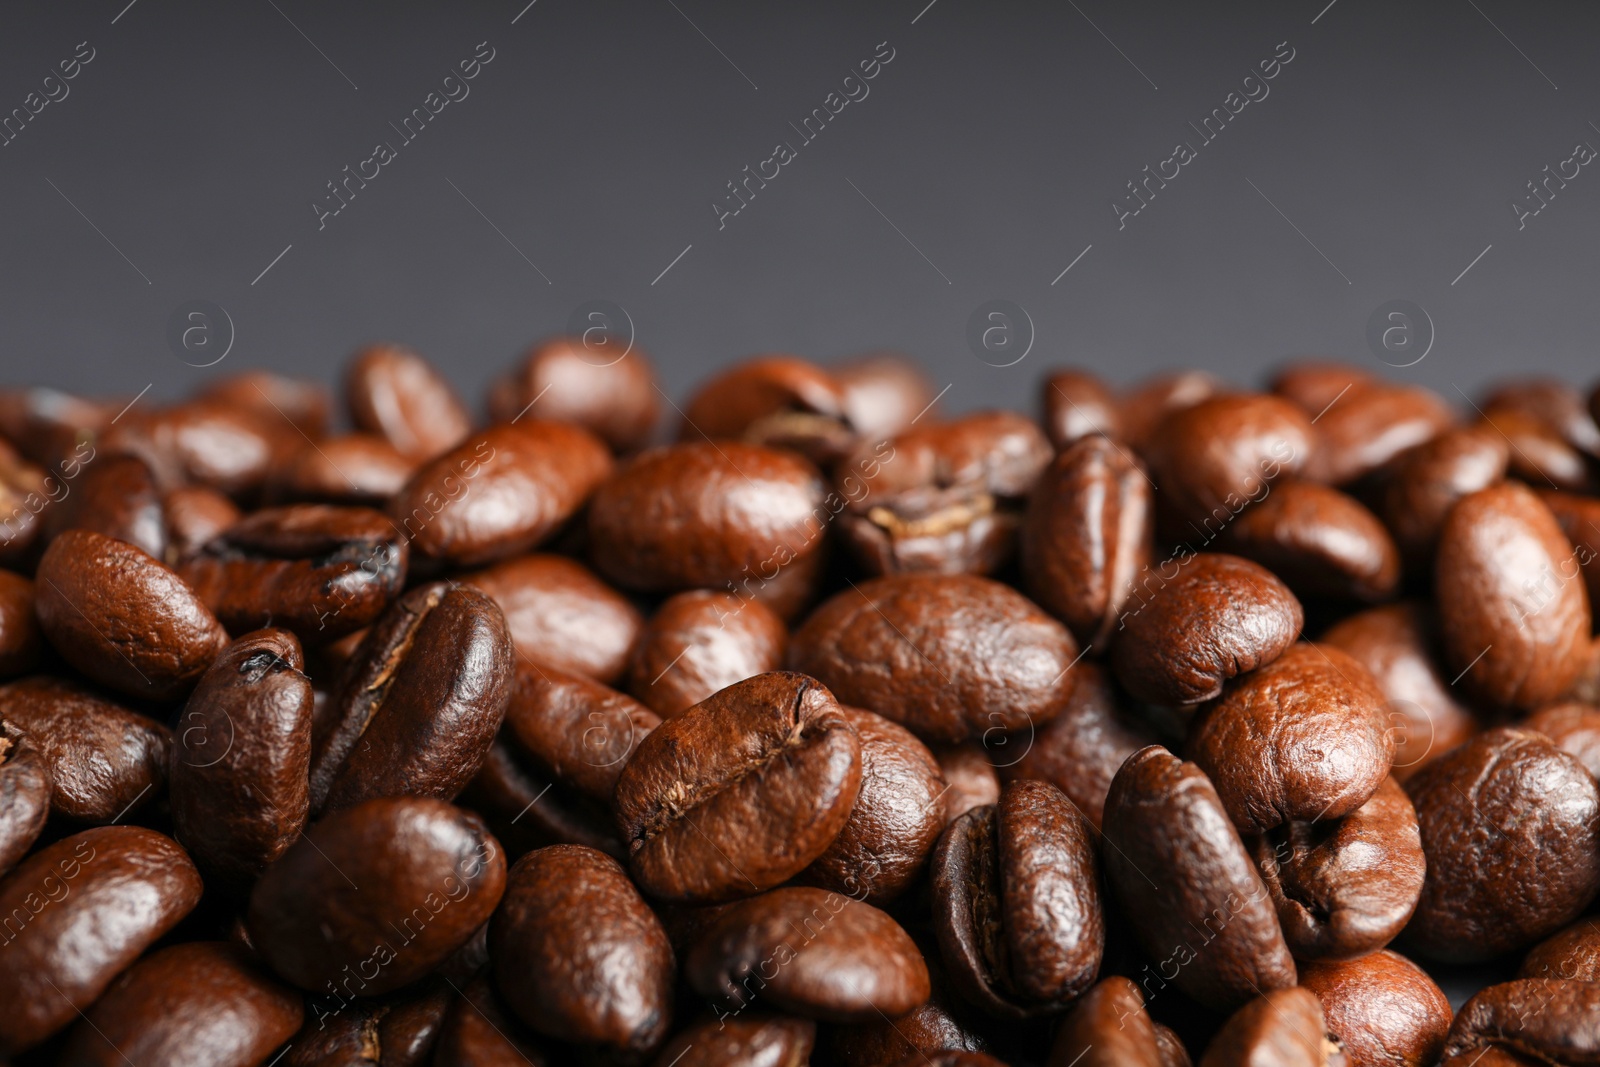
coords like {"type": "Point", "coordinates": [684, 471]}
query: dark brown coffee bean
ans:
{"type": "Point", "coordinates": [355, 468]}
{"type": "Point", "coordinates": [779, 401]}
{"type": "Point", "coordinates": [724, 516]}
{"type": "Point", "coordinates": [754, 1040]}
{"type": "Point", "coordinates": [1579, 517]}
{"type": "Point", "coordinates": [499, 493]}
{"type": "Point", "coordinates": [1210, 459]}
{"type": "Point", "coordinates": [201, 1002]}
{"type": "Point", "coordinates": [817, 954]}
{"type": "Point", "coordinates": [24, 794]}
{"type": "Point", "coordinates": [1509, 826]}
{"type": "Point", "coordinates": [903, 645]}
{"type": "Point", "coordinates": [116, 496]}
{"type": "Point", "coordinates": [970, 777]}
{"type": "Point", "coordinates": [1320, 541]}
{"type": "Point", "coordinates": [1544, 423]}
{"type": "Point", "coordinates": [399, 1030]}
{"type": "Point", "coordinates": [1284, 1028]}
{"type": "Point", "coordinates": [739, 793]}
{"type": "Point", "coordinates": [1555, 403]}
{"type": "Point", "coordinates": [1108, 1027]}
{"type": "Point", "coordinates": [122, 618]}
{"type": "Point", "coordinates": [1396, 645]}
{"type": "Point", "coordinates": [194, 515]}
{"type": "Point", "coordinates": [1511, 598]}
{"type": "Point", "coordinates": [243, 752]}
{"type": "Point", "coordinates": [306, 404]}
{"type": "Point", "coordinates": [1147, 405]}
{"type": "Point", "coordinates": [1087, 536]}
{"type": "Point", "coordinates": [1076, 404]}
{"type": "Point", "coordinates": [1572, 954]}
{"type": "Point", "coordinates": [48, 425]}
{"type": "Point", "coordinates": [102, 760]}
{"type": "Point", "coordinates": [1382, 1008]}
{"type": "Point", "coordinates": [1313, 384]}
{"type": "Point", "coordinates": [420, 703]}
{"type": "Point", "coordinates": [1371, 425]}
{"type": "Point", "coordinates": [577, 732]}
{"type": "Point", "coordinates": [579, 955]}
{"type": "Point", "coordinates": [393, 392]}
{"type": "Point", "coordinates": [25, 492]}
{"type": "Point", "coordinates": [700, 642]}
{"type": "Point", "coordinates": [1199, 620]}
{"type": "Point", "coordinates": [884, 392]}
{"type": "Point", "coordinates": [316, 570]}
{"type": "Point", "coordinates": [77, 913]}
{"type": "Point", "coordinates": [896, 818]}
{"type": "Point", "coordinates": [480, 1031]}
{"type": "Point", "coordinates": [1185, 879]}
{"type": "Point", "coordinates": [1305, 737]}
{"type": "Point", "coordinates": [1428, 479]}
{"type": "Point", "coordinates": [1016, 900]}
{"type": "Point", "coordinates": [376, 896]}
{"type": "Point", "coordinates": [1551, 1020]}
{"type": "Point", "coordinates": [591, 381]}
{"type": "Point", "coordinates": [561, 614]}
{"type": "Point", "coordinates": [943, 1023]}
{"type": "Point", "coordinates": [1345, 887]}
{"type": "Point", "coordinates": [951, 1059]}
{"type": "Point", "coordinates": [1081, 749]}
{"type": "Point", "coordinates": [527, 809]}
{"type": "Point", "coordinates": [1574, 728]}
{"type": "Point", "coordinates": [213, 443]}
{"type": "Point", "coordinates": [20, 642]}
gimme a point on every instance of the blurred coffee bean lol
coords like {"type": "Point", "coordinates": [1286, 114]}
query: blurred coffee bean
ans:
{"type": "Point", "coordinates": [1076, 404]}
{"type": "Point", "coordinates": [213, 443]}
{"type": "Point", "coordinates": [778, 401]}
{"type": "Point", "coordinates": [1574, 728]}
{"type": "Point", "coordinates": [20, 642]}
{"type": "Point", "coordinates": [194, 515]}
{"type": "Point", "coordinates": [610, 393]}
{"type": "Point", "coordinates": [48, 425]}
{"type": "Point", "coordinates": [699, 642]}
{"type": "Point", "coordinates": [970, 776]}
{"type": "Point", "coordinates": [305, 404]}
{"type": "Point", "coordinates": [884, 393]}
{"type": "Point", "coordinates": [1429, 478]}
{"type": "Point", "coordinates": [116, 496]}
{"type": "Point", "coordinates": [1369, 426]}
{"type": "Point", "coordinates": [1314, 384]}
{"type": "Point", "coordinates": [1321, 542]}
{"type": "Point", "coordinates": [1284, 1027]}
{"type": "Point", "coordinates": [562, 614]}
{"type": "Point", "coordinates": [24, 794]}
{"type": "Point", "coordinates": [393, 392]}
{"type": "Point", "coordinates": [353, 468]}
{"type": "Point", "coordinates": [1148, 404]}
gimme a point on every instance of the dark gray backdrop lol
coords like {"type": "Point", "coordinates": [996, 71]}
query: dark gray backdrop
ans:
{"type": "Point", "coordinates": [985, 159]}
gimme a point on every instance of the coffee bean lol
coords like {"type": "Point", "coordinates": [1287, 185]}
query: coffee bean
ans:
{"type": "Point", "coordinates": [48, 425]}
{"type": "Point", "coordinates": [116, 496]}
{"type": "Point", "coordinates": [1283, 1027]}
{"type": "Point", "coordinates": [394, 393]}
{"type": "Point", "coordinates": [884, 393]}
{"type": "Point", "coordinates": [578, 955]}
{"type": "Point", "coordinates": [1108, 1027]}
{"type": "Point", "coordinates": [745, 1041]}
{"type": "Point", "coordinates": [1553, 1020]}
{"type": "Point", "coordinates": [952, 1059]}
{"type": "Point", "coordinates": [1428, 479]}
{"type": "Point", "coordinates": [194, 515]}
{"type": "Point", "coordinates": [479, 1031]}
{"type": "Point", "coordinates": [702, 641]}
{"type": "Point", "coordinates": [1574, 728]}
{"type": "Point", "coordinates": [399, 1029]}
{"type": "Point", "coordinates": [25, 492]}
{"type": "Point", "coordinates": [1313, 384]}
{"type": "Point", "coordinates": [1579, 517]}
{"type": "Point", "coordinates": [355, 468]}
{"type": "Point", "coordinates": [1539, 454]}
{"type": "Point", "coordinates": [1572, 954]}
{"type": "Point", "coordinates": [526, 808]}
{"type": "Point", "coordinates": [1369, 426]}
{"type": "Point", "coordinates": [24, 794]}
{"type": "Point", "coordinates": [903, 646]}
{"type": "Point", "coordinates": [1555, 403]}
{"type": "Point", "coordinates": [970, 776]}
{"type": "Point", "coordinates": [1321, 542]}
{"type": "Point", "coordinates": [943, 1023]}
{"type": "Point", "coordinates": [610, 391]}
{"type": "Point", "coordinates": [739, 793]}
{"type": "Point", "coordinates": [19, 628]}
{"type": "Point", "coordinates": [1145, 407]}
{"type": "Point", "coordinates": [575, 731]}
{"type": "Point", "coordinates": [776, 400]}
{"type": "Point", "coordinates": [1210, 459]}
{"type": "Point", "coordinates": [1076, 404]}
{"type": "Point", "coordinates": [376, 895]}
{"type": "Point", "coordinates": [215, 443]}
{"type": "Point", "coordinates": [1381, 1007]}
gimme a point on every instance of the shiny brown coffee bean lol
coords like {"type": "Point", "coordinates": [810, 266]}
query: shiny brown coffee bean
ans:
{"type": "Point", "coordinates": [1369, 426]}
{"type": "Point", "coordinates": [305, 404]}
{"type": "Point", "coordinates": [375, 896]}
{"type": "Point", "coordinates": [1016, 901]}
{"type": "Point", "coordinates": [608, 389]}
{"type": "Point", "coordinates": [1572, 954]}
{"type": "Point", "coordinates": [420, 702]}
{"type": "Point", "coordinates": [561, 614]}
{"type": "Point", "coordinates": [943, 1023]}
{"type": "Point", "coordinates": [25, 492]}
{"type": "Point", "coordinates": [1555, 403]}
{"type": "Point", "coordinates": [1382, 1008]}
{"type": "Point", "coordinates": [779, 401]}
{"type": "Point", "coordinates": [393, 392]}
{"type": "Point", "coordinates": [970, 776]}
{"type": "Point", "coordinates": [213, 443]}
{"type": "Point", "coordinates": [1427, 480]}
{"type": "Point", "coordinates": [1313, 384]}
{"type": "Point", "coordinates": [480, 1031]}
{"type": "Point", "coordinates": [1539, 454]}
{"type": "Point", "coordinates": [48, 425]}
{"type": "Point", "coordinates": [1574, 728]}
{"type": "Point", "coordinates": [884, 392]}
{"type": "Point", "coordinates": [1145, 407]}
{"type": "Point", "coordinates": [1209, 460]}
{"type": "Point", "coordinates": [1179, 869]}
{"type": "Point", "coordinates": [499, 493]}
{"type": "Point", "coordinates": [1108, 1027]}
{"type": "Point", "coordinates": [817, 954]}
{"type": "Point", "coordinates": [527, 809]}
{"type": "Point", "coordinates": [1076, 404]}
{"type": "Point", "coordinates": [194, 515]}
{"type": "Point", "coordinates": [753, 1040]}
{"type": "Point", "coordinates": [239, 787]}
{"type": "Point", "coordinates": [1087, 536]}
{"type": "Point", "coordinates": [1512, 605]}
{"type": "Point", "coordinates": [400, 1029]}
{"type": "Point", "coordinates": [1511, 829]}
{"type": "Point", "coordinates": [20, 641]}
{"type": "Point", "coordinates": [352, 469]}
{"type": "Point", "coordinates": [1284, 1028]}
{"type": "Point", "coordinates": [316, 570]}
{"type": "Point", "coordinates": [77, 913]}
{"type": "Point", "coordinates": [902, 645]}
{"type": "Point", "coordinates": [739, 793]}
{"type": "Point", "coordinates": [578, 955]}
{"type": "Point", "coordinates": [200, 1002]}
{"type": "Point", "coordinates": [575, 731]}
{"type": "Point", "coordinates": [24, 794]}
{"type": "Point", "coordinates": [1551, 1020]}
{"type": "Point", "coordinates": [1321, 542]}
{"type": "Point", "coordinates": [116, 496]}
{"type": "Point", "coordinates": [699, 642]}
{"type": "Point", "coordinates": [1198, 620]}
{"type": "Point", "coordinates": [1579, 517]}
{"type": "Point", "coordinates": [122, 618]}
{"type": "Point", "coordinates": [102, 760]}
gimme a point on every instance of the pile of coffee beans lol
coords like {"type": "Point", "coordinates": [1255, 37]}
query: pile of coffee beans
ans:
{"type": "Point", "coordinates": [1173, 724]}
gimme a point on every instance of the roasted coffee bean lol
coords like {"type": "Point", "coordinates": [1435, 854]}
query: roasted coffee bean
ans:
{"type": "Point", "coordinates": [905, 646]}
{"type": "Point", "coordinates": [194, 515]}
{"type": "Point", "coordinates": [896, 819]}
{"type": "Point", "coordinates": [77, 913]}
{"type": "Point", "coordinates": [201, 1002]}
{"type": "Point", "coordinates": [829, 958]}
{"type": "Point", "coordinates": [375, 896]}
{"type": "Point", "coordinates": [1549, 1019]}
{"type": "Point", "coordinates": [1146, 407]}
{"type": "Point", "coordinates": [970, 777]}
{"type": "Point", "coordinates": [753, 1040]}
{"type": "Point", "coordinates": [122, 618]}
{"type": "Point", "coordinates": [943, 1023]}
{"type": "Point", "coordinates": [1512, 604]}
{"type": "Point", "coordinates": [24, 794]}
{"type": "Point", "coordinates": [49, 425]}
{"type": "Point", "coordinates": [1087, 536]}
{"type": "Point", "coordinates": [941, 498]}
{"type": "Point", "coordinates": [420, 702]}
{"type": "Point", "coordinates": [1076, 404]}
{"type": "Point", "coordinates": [1428, 479]}
{"type": "Point", "coordinates": [577, 953]}
{"type": "Point", "coordinates": [884, 392]}
{"type": "Point", "coordinates": [1209, 917]}
{"type": "Point", "coordinates": [779, 401]}
{"type": "Point", "coordinates": [562, 615]}
{"type": "Point", "coordinates": [702, 641]}
{"type": "Point", "coordinates": [1539, 455]}
{"type": "Point", "coordinates": [318, 571]}
{"type": "Point", "coordinates": [727, 516]}
{"type": "Point", "coordinates": [1555, 403]}
{"type": "Point", "coordinates": [243, 753]}
{"type": "Point", "coordinates": [213, 443]}
{"type": "Point", "coordinates": [102, 760]}
{"type": "Point", "coordinates": [19, 628]}
{"type": "Point", "coordinates": [1108, 1027]}
{"type": "Point", "coordinates": [1396, 645]}
{"type": "Point", "coordinates": [1081, 749]}
{"type": "Point", "coordinates": [526, 808]}
{"type": "Point", "coordinates": [575, 731]}
{"type": "Point", "coordinates": [1321, 542]}
{"type": "Point", "coordinates": [1579, 517]}
{"type": "Point", "coordinates": [1283, 1028]}
{"type": "Point", "coordinates": [499, 493]}
{"type": "Point", "coordinates": [306, 404]}
{"type": "Point", "coordinates": [951, 1059]}
{"type": "Point", "coordinates": [1366, 428]}
{"type": "Point", "coordinates": [25, 492]}
{"type": "Point", "coordinates": [393, 392]}
{"type": "Point", "coordinates": [355, 468]}
{"type": "Point", "coordinates": [1511, 828]}
{"type": "Point", "coordinates": [116, 496]}
{"type": "Point", "coordinates": [1210, 459]}
{"type": "Point", "coordinates": [739, 793]}
{"type": "Point", "coordinates": [1572, 954]}
{"type": "Point", "coordinates": [1303, 737]}
{"type": "Point", "coordinates": [1574, 728]}
{"type": "Point", "coordinates": [1382, 1008]}
{"type": "Point", "coordinates": [398, 1030]}
{"type": "Point", "coordinates": [480, 1031]}
{"type": "Point", "coordinates": [1345, 887]}
{"type": "Point", "coordinates": [1016, 900]}
{"type": "Point", "coordinates": [1213, 617]}
{"type": "Point", "coordinates": [593, 381]}
{"type": "Point", "coordinates": [1313, 384]}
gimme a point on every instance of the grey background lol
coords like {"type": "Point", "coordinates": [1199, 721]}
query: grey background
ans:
{"type": "Point", "coordinates": [984, 160]}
